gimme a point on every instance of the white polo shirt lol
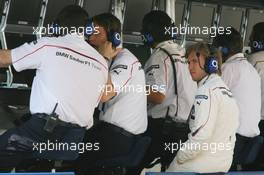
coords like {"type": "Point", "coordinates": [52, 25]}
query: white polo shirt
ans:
{"type": "Point", "coordinates": [159, 75]}
{"type": "Point", "coordinates": [68, 72]}
{"type": "Point", "coordinates": [128, 109]}
{"type": "Point", "coordinates": [244, 82]}
{"type": "Point", "coordinates": [257, 60]}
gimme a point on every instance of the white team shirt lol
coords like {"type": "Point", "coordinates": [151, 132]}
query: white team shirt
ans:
{"type": "Point", "coordinates": [159, 75]}
{"type": "Point", "coordinates": [213, 124]}
{"type": "Point", "coordinates": [244, 82]}
{"type": "Point", "coordinates": [68, 72]}
{"type": "Point", "coordinates": [128, 109]}
{"type": "Point", "coordinates": [257, 60]}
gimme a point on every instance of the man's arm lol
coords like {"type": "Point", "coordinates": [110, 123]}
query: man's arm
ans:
{"type": "Point", "coordinates": [5, 58]}
{"type": "Point", "coordinates": [155, 97]}
{"type": "Point", "coordinates": [109, 91]}
{"type": "Point", "coordinates": [204, 122]}
{"type": "Point", "coordinates": [156, 79]}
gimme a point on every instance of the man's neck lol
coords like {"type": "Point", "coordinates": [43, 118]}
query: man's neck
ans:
{"type": "Point", "coordinates": [108, 51]}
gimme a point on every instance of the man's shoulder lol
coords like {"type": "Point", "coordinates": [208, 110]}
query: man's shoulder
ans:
{"type": "Point", "coordinates": [257, 57]}
{"type": "Point", "coordinates": [125, 57]}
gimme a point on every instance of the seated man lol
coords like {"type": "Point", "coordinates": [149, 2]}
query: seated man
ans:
{"type": "Point", "coordinates": [124, 108]}
{"type": "Point", "coordinates": [60, 111]}
{"type": "Point", "coordinates": [213, 120]}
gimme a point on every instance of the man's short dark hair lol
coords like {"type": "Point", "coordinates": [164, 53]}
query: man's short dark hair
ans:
{"type": "Point", "coordinates": [231, 39]}
{"type": "Point", "coordinates": [257, 35]}
{"type": "Point", "coordinates": [109, 22]}
{"type": "Point", "coordinates": [72, 16]}
{"type": "Point", "coordinates": [258, 32]}
{"type": "Point", "coordinates": [154, 23]}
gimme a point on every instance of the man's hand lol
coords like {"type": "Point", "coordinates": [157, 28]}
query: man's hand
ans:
{"type": "Point", "coordinates": [155, 97]}
{"type": "Point", "coordinates": [5, 58]}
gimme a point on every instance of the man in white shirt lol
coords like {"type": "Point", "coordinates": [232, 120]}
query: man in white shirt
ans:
{"type": "Point", "coordinates": [244, 82]}
{"type": "Point", "coordinates": [65, 67]}
{"type": "Point", "coordinates": [124, 110]}
{"type": "Point", "coordinates": [171, 89]}
{"type": "Point", "coordinates": [213, 120]}
{"type": "Point", "coordinates": [257, 60]}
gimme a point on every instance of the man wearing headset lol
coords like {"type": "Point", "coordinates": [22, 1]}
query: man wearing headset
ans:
{"type": "Point", "coordinates": [65, 66]}
{"type": "Point", "coordinates": [124, 110]}
{"type": "Point", "coordinates": [213, 120]}
{"type": "Point", "coordinates": [171, 90]}
{"type": "Point", "coordinates": [257, 60]}
{"type": "Point", "coordinates": [244, 82]}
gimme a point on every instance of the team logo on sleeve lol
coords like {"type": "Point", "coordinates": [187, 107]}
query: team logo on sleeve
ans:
{"type": "Point", "coordinates": [156, 66]}
{"type": "Point", "coordinates": [116, 71]}
{"type": "Point", "coordinates": [121, 66]}
{"type": "Point", "coordinates": [201, 97]}
{"type": "Point", "coordinates": [118, 68]}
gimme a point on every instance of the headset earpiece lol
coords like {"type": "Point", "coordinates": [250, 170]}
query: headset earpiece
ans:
{"type": "Point", "coordinates": [55, 28]}
{"type": "Point", "coordinates": [225, 51]}
{"type": "Point", "coordinates": [89, 28]}
{"type": "Point", "coordinates": [211, 62]}
{"type": "Point", "coordinates": [211, 65]}
{"type": "Point", "coordinates": [114, 38]}
{"type": "Point", "coordinates": [258, 45]}
{"type": "Point", "coordinates": [147, 38]}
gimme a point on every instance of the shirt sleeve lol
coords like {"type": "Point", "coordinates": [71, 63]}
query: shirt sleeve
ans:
{"type": "Point", "coordinates": [121, 74]}
{"type": "Point", "coordinates": [203, 118]}
{"type": "Point", "coordinates": [156, 72]}
{"type": "Point", "coordinates": [27, 56]}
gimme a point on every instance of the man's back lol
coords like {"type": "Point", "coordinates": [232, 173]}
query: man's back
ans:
{"type": "Point", "coordinates": [159, 71]}
{"type": "Point", "coordinates": [244, 82]}
{"type": "Point", "coordinates": [257, 60]}
{"type": "Point", "coordinates": [128, 79]}
{"type": "Point", "coordinates": [69, 72]}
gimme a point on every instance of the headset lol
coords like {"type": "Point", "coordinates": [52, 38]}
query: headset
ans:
{"type": "Point", "coordinates": [114, 37]}
{"type": "Point", "coordinates": [147, 38]}
{"type": "Point", "coordinates": [54, 28]}
{"type": "Point", "coordinates": [211, 65]}
{"type": "Point", "coordinates": [225, 51]}
{"type": "Point", "coordinates": [89, 28]}
{"type": "Point", "coordinates": [258, 45]}
{"type": "Point", "coordinates": [211, 62]}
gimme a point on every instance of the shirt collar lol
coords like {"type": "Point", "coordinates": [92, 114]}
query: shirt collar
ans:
{"type": "Point", "coordinates": [163, 43]}
{"type": "Point", "coordinates": [207, 77]}
{"type": "Point", "coordinates": [234, 57]}
{"type": "Point", "coordinates": [76, 35]}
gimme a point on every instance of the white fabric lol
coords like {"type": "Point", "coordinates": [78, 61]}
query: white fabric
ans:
{"type": "Point", "coordinates": [128, 109]}
{"type": "Point", "coordinates": [244, 82]}
{"type": "Point", "coordinates": [159, 73]}
{"type": "Point", "coordinates": [68, 72]}
{"type": "Point", "coordinates": [257, 60]}
{"type": "Point", "coordinates": [213, 124]}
